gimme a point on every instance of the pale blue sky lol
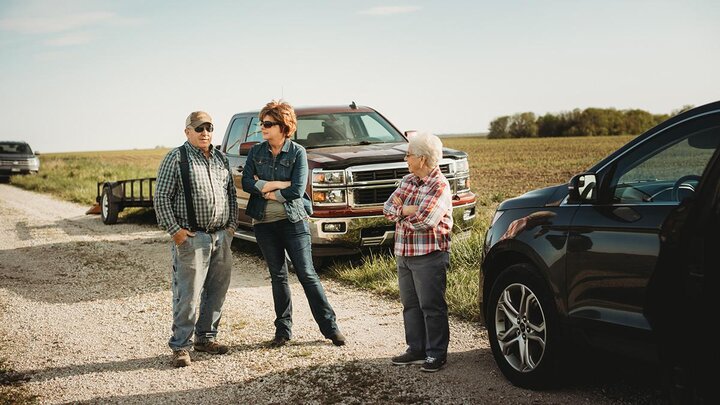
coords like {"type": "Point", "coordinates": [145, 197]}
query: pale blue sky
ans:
{"type": "Point", "coordinates": [82, 75]}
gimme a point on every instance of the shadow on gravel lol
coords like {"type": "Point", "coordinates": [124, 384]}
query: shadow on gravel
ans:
{"type": "Point", "coordinates": [469, 377]}
{"type": "Point", "coordinates": [618, 378]}
{"type": "Point", "coordinates": [162, 362]}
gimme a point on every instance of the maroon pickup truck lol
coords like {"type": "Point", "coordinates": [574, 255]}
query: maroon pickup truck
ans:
{"type": "Point", "coordinates": [355, 159]}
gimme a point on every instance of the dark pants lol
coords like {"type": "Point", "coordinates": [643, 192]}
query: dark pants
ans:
{"type": "Point", "coordinates": [422, 281]}
{"type": "Point", "coordinates": [274, 239]}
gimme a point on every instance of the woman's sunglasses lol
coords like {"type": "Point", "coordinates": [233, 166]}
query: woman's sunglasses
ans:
{"type": "Point", "coordinates": [207, 127]}
{"type": "Point", "coordinates": [268, 124]}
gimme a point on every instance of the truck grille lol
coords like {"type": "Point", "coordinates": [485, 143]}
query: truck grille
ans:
{"type": "Point", "coordinates": [20, 163]}
{"type": "Point", "coordinates": [373, 195]}
{"type": "Point", "coordinates": [389, 174]}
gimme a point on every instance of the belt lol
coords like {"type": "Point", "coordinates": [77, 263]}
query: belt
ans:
{"type": "Point", "coordinates": [211, 230]}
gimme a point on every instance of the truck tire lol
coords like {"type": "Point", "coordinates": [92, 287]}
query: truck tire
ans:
{"type": "Point", "coordinates": [108, 209]}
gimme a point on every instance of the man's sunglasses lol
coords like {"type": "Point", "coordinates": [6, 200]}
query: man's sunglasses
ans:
{"type": "Point", "coordinates": [268, 124]}
{"type": "Point", "coordinates": [207, 127]}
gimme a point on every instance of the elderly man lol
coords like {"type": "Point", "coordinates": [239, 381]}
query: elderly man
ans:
{"type": "Point", "coordinates": [195, 203]}
{"type": "Point", "coordinates": [421, 208]}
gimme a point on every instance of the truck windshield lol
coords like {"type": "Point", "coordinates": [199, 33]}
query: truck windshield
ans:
{"type": "Point", "coordinates": [15, 148]}
{"type": "Point", "coordinates": [314, 131]}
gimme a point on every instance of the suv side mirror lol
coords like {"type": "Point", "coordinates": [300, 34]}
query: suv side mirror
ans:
{"type": "Point", "coordinates": [245, 147]}
{"type": "Point", "coordinates": [583, 188]}
{"type": "Point", "coordinates": [410, 133]}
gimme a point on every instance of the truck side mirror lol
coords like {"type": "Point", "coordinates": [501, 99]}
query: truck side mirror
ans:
{"type": "Point", "coordinates": [245, 147]}
{"type": "Point", "coordinates": [583, 188]}
{"type": "Point", "coordinates": [410, 133]}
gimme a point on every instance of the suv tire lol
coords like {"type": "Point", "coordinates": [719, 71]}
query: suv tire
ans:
{"type": "Point", "coordinates": [523, 327]}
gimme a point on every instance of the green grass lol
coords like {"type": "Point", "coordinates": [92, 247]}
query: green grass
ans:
{"type": "Point", "coordinates": [74, 176]}
{"type": "Point", "coordinates": [500, 169]}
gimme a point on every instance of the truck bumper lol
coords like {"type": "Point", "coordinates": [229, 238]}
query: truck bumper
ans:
{"type": "Point", "coordinates": [351, 235]}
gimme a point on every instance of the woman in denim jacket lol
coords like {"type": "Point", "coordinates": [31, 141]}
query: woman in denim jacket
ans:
{"type": "Point", "coordinates": [275, 176]}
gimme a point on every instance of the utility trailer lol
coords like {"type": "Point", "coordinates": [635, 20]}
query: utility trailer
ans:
{"type": "Point", "coordinates": [115, 196]}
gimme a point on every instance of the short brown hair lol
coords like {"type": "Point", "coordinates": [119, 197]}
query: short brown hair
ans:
{"type": "Point", "coordinates": [282, 112]}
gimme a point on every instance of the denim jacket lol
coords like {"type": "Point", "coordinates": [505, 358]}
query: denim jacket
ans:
{"type": "Point", "coordinates": [289, 165]}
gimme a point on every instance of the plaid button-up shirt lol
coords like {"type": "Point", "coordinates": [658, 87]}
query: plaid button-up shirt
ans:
{"type": "Point", "coordinates": [429, 228]}
{"type": "Point", "coordinates": [213, 191]}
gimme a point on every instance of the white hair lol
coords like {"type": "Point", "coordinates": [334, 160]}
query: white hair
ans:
{"type": "Point", "coordinates": [428, 146]}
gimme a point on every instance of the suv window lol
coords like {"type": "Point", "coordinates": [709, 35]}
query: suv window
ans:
{"type": "Point", "coordinates": [661, 170]}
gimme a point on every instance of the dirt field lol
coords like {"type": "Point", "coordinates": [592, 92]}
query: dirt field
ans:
{"type": "Point", "coordinates": [86, 312]}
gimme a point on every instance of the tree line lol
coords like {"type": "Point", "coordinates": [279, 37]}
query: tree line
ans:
{"type": "Point", "coordinates": [587, 122]}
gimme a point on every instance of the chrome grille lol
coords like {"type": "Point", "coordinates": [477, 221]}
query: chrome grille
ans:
{"type": "Point", "coordinates": [373, 195]}
{"type": "Point", "coordinates": [20, 163]}
{"type": "Point", "coordinates": [389, 174]}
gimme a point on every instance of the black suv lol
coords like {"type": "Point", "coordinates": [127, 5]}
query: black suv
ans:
{"type": "Point", "coordinates": [17, 158]}
{"type": "Point", "coordinates": [579, 262]}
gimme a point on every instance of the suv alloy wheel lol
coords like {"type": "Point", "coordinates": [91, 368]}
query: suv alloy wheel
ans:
{"type": "Point", "coordinates": [522, 327]}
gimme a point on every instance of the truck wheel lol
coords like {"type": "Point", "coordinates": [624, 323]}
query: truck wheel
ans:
{"type": "Point", "coordinates": [108, 209]}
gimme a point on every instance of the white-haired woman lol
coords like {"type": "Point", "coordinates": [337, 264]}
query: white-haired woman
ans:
{"type": "Point", "coordinates": [421, 208]}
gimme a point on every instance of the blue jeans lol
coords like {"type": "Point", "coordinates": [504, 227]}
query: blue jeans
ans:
{"type": "Point", "coordinates": [201, 270]}
{"type": "Point", "coordinates": [422, 281]}
{"type": "Point", "coordinates": [274, 238]}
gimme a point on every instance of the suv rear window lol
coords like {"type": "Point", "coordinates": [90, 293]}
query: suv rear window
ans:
{"type": "Point", "coordinates": [15, 148]}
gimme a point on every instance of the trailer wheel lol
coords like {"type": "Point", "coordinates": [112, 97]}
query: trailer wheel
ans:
{"type": "Point", "coordinates": [108, 209]}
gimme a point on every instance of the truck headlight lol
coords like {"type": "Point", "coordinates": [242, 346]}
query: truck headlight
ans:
{"type": "Point", "coordinates": [324, 177]}
{"type": "Point", "coordinates": [463, 184]}
{"type": "Point", "coordinates": [462, 165]}
{"type": "Point", "coordinates": [330, 196]}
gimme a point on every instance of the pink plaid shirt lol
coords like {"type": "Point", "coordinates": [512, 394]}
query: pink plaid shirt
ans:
{"type": "Point", "coordinates": [429, 228]}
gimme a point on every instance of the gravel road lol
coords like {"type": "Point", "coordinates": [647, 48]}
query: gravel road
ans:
{"type": "Point", "coordinates": [85, 315]}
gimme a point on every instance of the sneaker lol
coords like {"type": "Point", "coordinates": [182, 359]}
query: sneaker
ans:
{"type": "Point", "coordinates": [211, 347]}
{"type": "Point", "coordinates": [432, 364]}
{"type": "Point", "coordinates": [338, 339]}
{"type": "Point", "coordinates": [408, 358]}
{"type": "Point", "coordinates": [278, 341]}
{"type": "Point", "coordinates": [181, 358]}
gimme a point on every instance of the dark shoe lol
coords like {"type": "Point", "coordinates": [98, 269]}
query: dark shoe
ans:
{"type": "Point", "coordinates": [181, 358]}
{"type": "Point", "coordinates": [338, 339]}
{"type": "Point", "coordinates": [211, 347]}
{"type": "Point", "coordinates": [432, 364]}
{"type": "Point", "coordinates": [408, 358]}
{"type": "Point", "coordinates": [278, 341]}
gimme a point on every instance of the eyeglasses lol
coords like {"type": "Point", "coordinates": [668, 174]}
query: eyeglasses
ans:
{"type": "Point", "coordinates": [268, 124]}
{"type": "Point", "coordinates": [206, 127]}
{"type": "Point", "coordinates": [407, 155]}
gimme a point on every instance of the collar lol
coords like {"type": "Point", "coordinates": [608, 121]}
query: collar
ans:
{"type": "Point", "coordinates": [199, 151]}
{"type": "Point", "coordinates": [285, 147]}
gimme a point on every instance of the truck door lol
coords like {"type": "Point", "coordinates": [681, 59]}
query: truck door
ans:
{"type": "Point", "coordinates": [234, 137]}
